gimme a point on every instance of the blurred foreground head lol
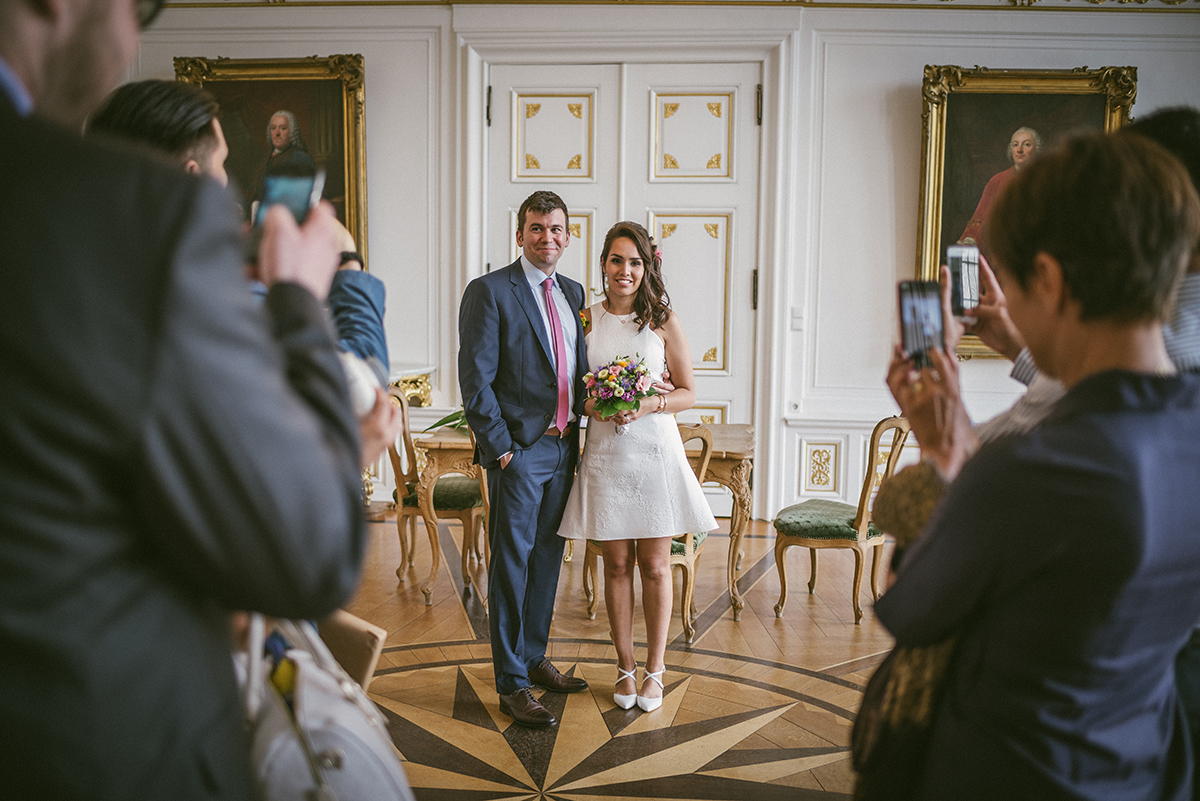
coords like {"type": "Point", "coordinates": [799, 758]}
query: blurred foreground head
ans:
{"type": "Point", "coordinates": [70, 53]}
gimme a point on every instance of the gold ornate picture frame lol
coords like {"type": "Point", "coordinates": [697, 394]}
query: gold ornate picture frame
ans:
{"type": "Point", "coordinates": [968, 118]}
{"type": "Point", "coordinates": [324, 93]}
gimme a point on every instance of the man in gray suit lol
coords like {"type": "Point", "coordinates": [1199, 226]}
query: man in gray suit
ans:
{"type": "Point", "coordinates": [168, 450]}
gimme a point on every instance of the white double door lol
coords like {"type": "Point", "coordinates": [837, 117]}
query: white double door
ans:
{"type": "Point", "coordinates": [674, 147]}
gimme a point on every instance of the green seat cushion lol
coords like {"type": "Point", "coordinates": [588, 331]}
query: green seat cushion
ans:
{"type": "Point", "coordinates": [821, 520]}
{"type": "Point", "coordinates": [451, 494]}
{"type": "Point", "coordinates": [677, 545]}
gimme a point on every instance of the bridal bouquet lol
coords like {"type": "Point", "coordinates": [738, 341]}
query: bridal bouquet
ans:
{"type": "Point", "coordinates": [618, 386]}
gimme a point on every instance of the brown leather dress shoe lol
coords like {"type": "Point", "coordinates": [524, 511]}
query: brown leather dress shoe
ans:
{"type": "Point", "coordinates": [547, 677]}
{"type": "Point", "coordinates": [525, 710]}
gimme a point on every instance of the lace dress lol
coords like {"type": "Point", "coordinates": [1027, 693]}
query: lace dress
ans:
{"type": "Point", "coordinates": [636, 485]}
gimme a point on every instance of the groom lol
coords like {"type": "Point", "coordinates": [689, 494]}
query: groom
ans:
{"type": "Point", "coordinates": [521, 363]}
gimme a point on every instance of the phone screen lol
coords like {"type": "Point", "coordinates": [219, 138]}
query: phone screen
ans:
{"type": "Point", "coordinates": [963, 263]}
{"type": "Point", "coordinates": [920, 319]}
{"type": "Point", "coordinates": [298, 192]}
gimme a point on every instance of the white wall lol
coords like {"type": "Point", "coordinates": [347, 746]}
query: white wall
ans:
{"type": "Point", "coordinates": [841, 150]}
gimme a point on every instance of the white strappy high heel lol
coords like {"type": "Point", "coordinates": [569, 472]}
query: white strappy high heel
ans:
{"type": "Point", "coordinates": [625, 701]}
{"type": "Point", "coordinates": [651, 704]}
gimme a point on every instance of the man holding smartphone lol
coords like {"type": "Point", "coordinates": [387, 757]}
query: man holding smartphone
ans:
{"type": "Point", "coordinates": [164, 455]}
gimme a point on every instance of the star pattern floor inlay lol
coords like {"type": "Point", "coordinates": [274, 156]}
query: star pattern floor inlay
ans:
{"type": "Point", "coordinates": [755, 709]}
{"type": "Point", "coordinates": [720, 734]}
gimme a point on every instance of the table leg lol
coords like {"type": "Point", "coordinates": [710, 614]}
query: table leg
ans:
{"type": "Point", "coordinates": [428, 478]}
{"type": "Point", "coordinates": [738, 521]}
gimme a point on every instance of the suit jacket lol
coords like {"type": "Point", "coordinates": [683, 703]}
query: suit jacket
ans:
{"type": "Point", "coordinates": [506, 362]}
{"type": "Point", "coordinates": [169, 450]}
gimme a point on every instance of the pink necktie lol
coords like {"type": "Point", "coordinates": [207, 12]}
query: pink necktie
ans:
{"type": "Point", "coordinates": [560, 358]}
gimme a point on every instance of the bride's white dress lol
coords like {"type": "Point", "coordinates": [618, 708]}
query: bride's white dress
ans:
{"type": "Point", "coordinates": [635, 485]}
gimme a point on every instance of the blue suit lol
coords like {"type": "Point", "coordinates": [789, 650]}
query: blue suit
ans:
{"type": "Point", "coordinates": [509, 389]}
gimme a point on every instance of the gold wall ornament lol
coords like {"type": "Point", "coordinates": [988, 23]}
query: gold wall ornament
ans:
{"type": "Point", "coordinates": [416, 388]}
{"type": "Point", "coordinates": [531, 163]}
{"type": "Point", "coordinates": [714, 230]}
{"type": "Point", "coordinates": [575, 163]}
{"type": "Point", "coordinates": [669, 109]}
{"type": "Point", "coordinates": [669, 162]}
{"type": "Point", "coordinates": [337, 113]}
{"type": "Point", "coordinates": [710, 355]}
{"type": "Point", "coordinates": [531, 109]}
{"type": "Point", "coordinates": [715, 109]}
{"type": "Point", "coordinates": [989, 105]}
{"type": "Point", "coordinates": [668, 229]}
{"type": "Point", "coordinates": [820, 464]}
{"type": "Point", "coordinates": [708, 419]}
{"type": "Point", "coordinates": [575, 230]}
{"type": "Point", "coordinates": [714, 163]}
{"type": "Point", "coordinates": [576, 110]}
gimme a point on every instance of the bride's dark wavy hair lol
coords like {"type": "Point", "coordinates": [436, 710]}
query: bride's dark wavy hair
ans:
{"type": "Point", "coordinates": [651, 306]}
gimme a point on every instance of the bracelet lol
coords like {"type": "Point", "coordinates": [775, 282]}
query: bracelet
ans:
{"type": "Point", "coordinates": [350, 255]}
{"type": "Point", "coordinates": [662, 404]}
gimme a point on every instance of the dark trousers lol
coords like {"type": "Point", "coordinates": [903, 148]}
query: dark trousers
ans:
{"type": "Point", "coordinates": [527, 500]}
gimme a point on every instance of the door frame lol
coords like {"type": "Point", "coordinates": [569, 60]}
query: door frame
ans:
{"type": "Point", "coordinates": [489, 35]}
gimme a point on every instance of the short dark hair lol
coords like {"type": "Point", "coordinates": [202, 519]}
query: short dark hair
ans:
{"type": "Point", "coordinates": [651, 304]}
{"type": "Point", "coordinates": [1118, 213]}
{"type": "Point", "coordinates": [541, 202]}
{"type": "Point", "coordinates": [171, 116]}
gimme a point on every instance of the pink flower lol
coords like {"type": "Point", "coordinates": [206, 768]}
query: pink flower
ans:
{"type": "Point", "coordinates": [643, 383]}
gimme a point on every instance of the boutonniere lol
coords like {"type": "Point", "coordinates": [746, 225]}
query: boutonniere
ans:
{"type": "Point", "coordinates": [584, 320]}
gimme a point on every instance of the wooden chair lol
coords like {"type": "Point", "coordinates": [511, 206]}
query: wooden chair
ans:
{"type": "Point", "coordinates": [460, 498]}
{"type": "Point", "coordinates": [829, 524]}
{"type": "Point", "coordinates": [685, 549]}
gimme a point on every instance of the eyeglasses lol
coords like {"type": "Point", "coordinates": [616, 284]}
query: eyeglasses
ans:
{"type": "Point", "coordinates": [146, 11]}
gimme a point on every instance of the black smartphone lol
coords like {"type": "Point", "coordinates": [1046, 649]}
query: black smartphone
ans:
{"type": "Point", "coordinates": [921, 324]}
{"type": "Point", "coordinates": [963, 263]}
{"type": "Point", "coordinates": [300, 193]}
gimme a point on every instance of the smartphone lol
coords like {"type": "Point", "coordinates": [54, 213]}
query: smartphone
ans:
{"type": "Point", "coordinates": [921, 324]}
{"type": "Point", "coordinates": [300, 193]}
{"type": "Point", "coordinates": [963, 263]}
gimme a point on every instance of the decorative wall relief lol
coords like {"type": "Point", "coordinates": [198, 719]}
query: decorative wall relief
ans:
{"type": "Point", "coordinates": [554, 136]}
{"type": "Point", "coordinates": [820, 468]}
{"type": "Point", "coordinates": [692, 136]}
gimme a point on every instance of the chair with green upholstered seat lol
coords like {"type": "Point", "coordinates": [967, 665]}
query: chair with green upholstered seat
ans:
{"type": "Point", "coordinates": [454, 497]}
{"type": "Point", "coordinates": [685, 549]}
{"type": "Point", "coordinates": [829, 524]}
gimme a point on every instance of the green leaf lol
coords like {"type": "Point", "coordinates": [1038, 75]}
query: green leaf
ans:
{"type": "Point", "coordinates": [456, 420]}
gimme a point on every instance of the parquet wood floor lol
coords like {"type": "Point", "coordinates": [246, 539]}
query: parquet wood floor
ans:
{"type": "Point", "coordinates": [755, 709]}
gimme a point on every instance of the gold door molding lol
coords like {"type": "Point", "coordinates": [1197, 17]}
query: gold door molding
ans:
{"type": "Point", "coordinates": [553, 135]}
{"type": "Point", "coordinates": [692, 136]}
{"type": "Point", "coordinates": [697, 251]}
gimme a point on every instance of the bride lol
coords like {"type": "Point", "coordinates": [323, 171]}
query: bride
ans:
{"type": "Point", "coordinates": [636, 491]}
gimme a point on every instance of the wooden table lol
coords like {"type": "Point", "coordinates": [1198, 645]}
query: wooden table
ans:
{"type": "Point", "coordinates": [731, 465]}
{"type": "Point", "coordinates": [732, 461]}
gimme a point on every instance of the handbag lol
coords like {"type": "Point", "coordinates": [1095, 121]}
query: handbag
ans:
{"type": "Point", "coordinates": [889, 743]}
{"type": "Point", "coordinates": [327, 741]}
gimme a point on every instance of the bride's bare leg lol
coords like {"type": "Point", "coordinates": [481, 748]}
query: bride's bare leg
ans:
{"type": "Point", "coordinates": [618, 598]}
{"type": "Point", "coordinates": [654, 560]}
